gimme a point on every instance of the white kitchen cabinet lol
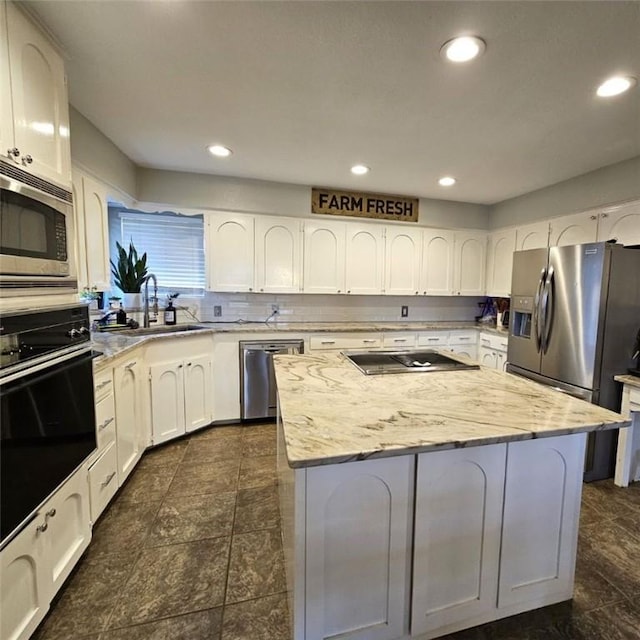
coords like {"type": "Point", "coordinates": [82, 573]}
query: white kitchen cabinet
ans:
{"type": "Point", "coordinates": [402, 261]}
{"type": "Point", "coordinates": [181, 394]}
{"type": "Point", "coordinates": [469, 263]}
{"type": "Point", "coordinates": [324, 257]}
{"type": "Point", "coordinates": [364, 258]}
{"type": "Point", "coordinates": [91, 216]}
{"type": "Point", "coordinates": [278, 254]}
{"type": "Point", "coordinates": [456, 554]}
{"type": "Point", "coordinates": [532, 236]}
{"type": "Point", "coordinates": [544, 476]}
{"type": "Point", "coordinates": [230, 252]}
{"type": "Point", "coordinates": [464, 343]}
{"type": "Point", "coordinates": [128, 389]}
{"type": "Point", "coordinates": [103, 480]}
{"type": "Point", "coordinates": [500, 248]}
{"type": "Point", "coordinates": [621, 224]}
{"type": "Point", "coordinates": [357, 574]}
{"type": "Point", "coordinates": [6, 109]}
{"type": "Point", "coordinates": [436, 274]}
{"type": "Point", "coordinates": [34, 565]}
{"type": "Point", "coordinates": [400, 340]}
{"type": "Point", "coordinates": [433, 339]}
{"type": "Point", "coordinates": [492, 351]}
{"type": "Point", "coordinates": [37, 139]}
{"type": "Point", "coordinates": [576, 228]}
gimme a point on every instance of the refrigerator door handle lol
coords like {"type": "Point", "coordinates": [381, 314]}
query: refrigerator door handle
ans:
{"type": "Point", "coordinates": [548, 306]}
{"type": "Point", "coordinates": [538, 320]}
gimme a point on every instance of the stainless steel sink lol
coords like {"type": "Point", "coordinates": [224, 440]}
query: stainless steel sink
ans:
{"type": "Point", "coordinates": [159, 329]}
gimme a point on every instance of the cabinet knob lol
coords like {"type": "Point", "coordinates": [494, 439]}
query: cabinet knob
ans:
{"type": "Point", "coordinates": [339, 291]}
{"type": "Point", "coordinates": [15, 152]}
{"type": "Point", "coordinates": [604, 215]}
{"type": "Point", "coordinates": [349, 291]}
{"type": "Point", "coordinates": [41, 528]}
{"type": "Point", "coordinates": [417, 292]}
{"type": "Point", "coordinates": [593, 217]}
{"type": "Point", "coordinates": [250, 289]}
{"type": "Point", "coordinates": [188, 364]}
{"type": "Point", "coordinates": [179, 366]}
{"type": "Point", "coordinates": [27, 160]}
{"type": "Point", "coordinates": [261, 290]}
{"type": "Point", "coordinates": [51, 513]}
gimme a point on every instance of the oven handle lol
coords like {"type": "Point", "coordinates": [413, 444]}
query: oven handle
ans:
{"type": "Point", "coordinates": [49, 368]}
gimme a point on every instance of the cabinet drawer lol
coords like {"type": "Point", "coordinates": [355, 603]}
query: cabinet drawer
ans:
{"type": "Point", "coordinates": [102, 384]}
{"type": "Point", "coordinates": [103, 481]}
{"type": "Point", "coordinates": [435, 339]}
{"type": "Point", "coordinates": [399, 340]}
{"type": "Point", "coordinates": [634, 399]}
{"type": "Point", "coordinates": [492, 341]}
{"type": "Point", "coordinates": [362, 341]}
{"type": "Point", "coordinates": [463, 337]}
{"type": "Point", "coordinates": [105, 421]}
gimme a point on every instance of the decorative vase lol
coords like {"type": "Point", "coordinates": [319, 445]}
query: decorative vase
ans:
{"type": "Point", "coordinates": [132, 301]}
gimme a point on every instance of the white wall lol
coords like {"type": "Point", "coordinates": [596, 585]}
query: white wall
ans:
{"type": "Point", "coordinates": [609, 185]}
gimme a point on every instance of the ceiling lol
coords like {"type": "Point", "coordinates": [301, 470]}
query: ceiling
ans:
{"type": "Point", "coordinates": [301, 91]}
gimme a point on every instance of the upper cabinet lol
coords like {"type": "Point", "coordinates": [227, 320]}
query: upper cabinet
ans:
{"type": "Point", "coordinates": [91, 232]}
{"type": "Point", "coordinates": [364, 258]}
{"type": "Point", "coordinates": [230, 252]}
{"type": "Point", "coordinates": [34, 125]}
{"type": "Point", "coordinates": [324, 257]}
{"type": "Point", "coordinates": [621, 224]}
{"type": "Point", "coordinates": [436, 275]}
{"type": "Point", "coordinates": [402, 261]}
{"type": "Point", "coordinates": [469, 263]}
{"type": "Point", "coordinates": [278, 254]}
{"type": "Point", "coordinates": [500, 248]}
{"type": "Point", "coordinates": [577, 228]}
{"type": "Point", "coordinates": [533, 236]}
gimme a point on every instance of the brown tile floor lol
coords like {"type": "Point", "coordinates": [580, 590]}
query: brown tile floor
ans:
{"type": "Point", "coordinates": [190, 550]}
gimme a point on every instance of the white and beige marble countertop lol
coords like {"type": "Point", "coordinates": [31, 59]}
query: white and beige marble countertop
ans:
{"type": "Point", "coordinates": [114, 344]}
{"type": "Point", "coordinates": [633, 381]}
{"type": "Point", "coordinates": [333, 413]}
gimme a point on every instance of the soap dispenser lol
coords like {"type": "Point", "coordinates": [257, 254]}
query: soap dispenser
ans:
{"type": "Point", "coordinates": [121, 316]}
{"type": "Point", "coordinates": [170, 313]}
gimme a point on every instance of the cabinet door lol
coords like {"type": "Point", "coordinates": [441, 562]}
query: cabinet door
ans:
{"type": "Point", "coordinates": [69, 533]}
{"type": "Point", "coordinates": [96, 233]}
{"type": "Point", "coordinates": [167, 400]}
{"type": "Point", "coordinates": [621, 224]}
{"type": "Point", "coordinates": [500, 250]}
{"type": "Point", "coordinates": [198, 392]}
{"type": "Point", "coordinates": [40, 106]}
{"type": "Point", "coordinates": [364, 259]}
{"type": "Point", "coordinates": [230, 248]}
{"type": "Point", "coordinates": [324, 257]}
{"type": "Point", "coordinates": [402, 261]}
{"type": "Point", "coordinates": [574, 229]}
{"type": "Point", "coordinates": [6, 109]}
{"type": "Point", "coordinates": [278, 263]}
{"type": "Point", "coordinates": [129, 420]}
{"type": "Point", "coordinates": [541, 512]}
{"type": "Point", "coordinates": [358, 532]}
{"type": "Point", "coordinates": [501, 360]}
{"type": "Point", "coordinates": [25, 583]}
{"type": "Point", "coordinates": [436, 276]}
{"type": "Point", "coordinates": [469, 263]}
{"type": "Point", "coordinates": [532, 236]}
{"type": "Point", "coordinates": [457, 535]}
{"type": "Point", "coordinates": [471, 351]}
{"type": "Point", "coordinates": [487, 358]}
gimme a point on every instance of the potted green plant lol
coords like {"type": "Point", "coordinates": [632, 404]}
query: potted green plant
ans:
{"type": "Point", "coordinates": [129, 272]}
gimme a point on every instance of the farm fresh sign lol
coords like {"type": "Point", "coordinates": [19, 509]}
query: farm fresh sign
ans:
{"type": "Point", "coordinates": [364, 205]}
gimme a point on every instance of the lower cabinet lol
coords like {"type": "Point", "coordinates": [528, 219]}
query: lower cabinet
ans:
{"type": "Point", "coordinates": [492, 351]}
{"type": "Point", "coordinates": [181, 397]}
{"type": "Point", "coordinates": [103, 480]}
{"type": "Point", "coordinates": [34, 565]}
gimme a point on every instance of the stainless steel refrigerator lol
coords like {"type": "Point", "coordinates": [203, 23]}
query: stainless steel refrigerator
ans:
{"type": "Point", "coordinates": [575, 312]}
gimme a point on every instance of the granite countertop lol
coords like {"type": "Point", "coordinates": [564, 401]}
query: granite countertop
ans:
{"type": "Point", "coordinates": [633, 381]}
{"type": "Point", "coordinates": [114, 344]}
{"type": "Point", "coordinates": [333, 413]}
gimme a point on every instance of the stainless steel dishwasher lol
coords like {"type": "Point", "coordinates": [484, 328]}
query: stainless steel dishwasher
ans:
{"type": "Point", "coordinates": [258, 396]}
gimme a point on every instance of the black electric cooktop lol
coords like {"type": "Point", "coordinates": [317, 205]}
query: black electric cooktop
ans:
{"type": "Point", "coordinates": [388, 362]}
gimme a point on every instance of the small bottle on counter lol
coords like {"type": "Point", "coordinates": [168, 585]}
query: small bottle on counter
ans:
{"type": "Point", "coordinates": [121, 316]}
{"type": "Point", "coordinates": [170, 313]}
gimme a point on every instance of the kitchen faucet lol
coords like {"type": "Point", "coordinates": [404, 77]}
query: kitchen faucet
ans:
{"type": "Point", "coordinates": [145, 321]}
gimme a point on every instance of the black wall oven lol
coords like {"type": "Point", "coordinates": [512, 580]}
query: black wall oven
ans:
{"type": "Point", "coordinates": [47, 414]}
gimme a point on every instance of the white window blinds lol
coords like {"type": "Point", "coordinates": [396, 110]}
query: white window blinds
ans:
{"type": "Point", "coordinates": [174, 245]}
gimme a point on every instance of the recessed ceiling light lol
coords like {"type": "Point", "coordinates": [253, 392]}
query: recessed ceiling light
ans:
{"type": "Point", "coordinates": [447, 181]}
{"type": "Point", "coordinates": [615, 85]}
{"type": "Point", "coordinates": [462, 49]}
{"type": "Point", "coordinates": [359, 169]}
{"type": "Point", "coordinates": [219, 150]}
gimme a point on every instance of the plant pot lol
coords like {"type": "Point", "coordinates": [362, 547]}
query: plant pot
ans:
{"type": "Point", "coordinates": [132, 301]}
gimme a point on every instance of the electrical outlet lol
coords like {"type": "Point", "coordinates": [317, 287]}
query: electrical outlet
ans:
{"type": "Point", "coordinates": [275, 308]}
{"type": "Point", "coordinates": [217, 311]}
{"type": "Point", "coordinates": [404, 311]}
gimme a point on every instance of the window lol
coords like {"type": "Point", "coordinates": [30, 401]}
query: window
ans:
{"type": "Point", "coordinates": [174, 245]}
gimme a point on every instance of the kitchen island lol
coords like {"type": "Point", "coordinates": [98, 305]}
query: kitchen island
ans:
{"type": "Point", "coordinates": [416, 505]}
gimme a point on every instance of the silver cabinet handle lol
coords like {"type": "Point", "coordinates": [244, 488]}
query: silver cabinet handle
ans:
{"type": "Point", "coordinates": [368, 341]}
{"type": "Point", "coordinates": [327, 342]}
{"type": "Point", "coordinates": [464, 338]}
{"type": "Point", "coordinates": [433, 339]}
{"type": "Point", "coordinates": [131, 364]}
{"type": "Point", "coordinates": [105, 424]}
{"type": "Point", "coordinates": [27, 160]}
{"type": "Point", "coordinates": [108, 479]}
{"type": "Point", "coordinates": [103, 384]}
{"type": "Point", "coordinates": [399, 339]}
